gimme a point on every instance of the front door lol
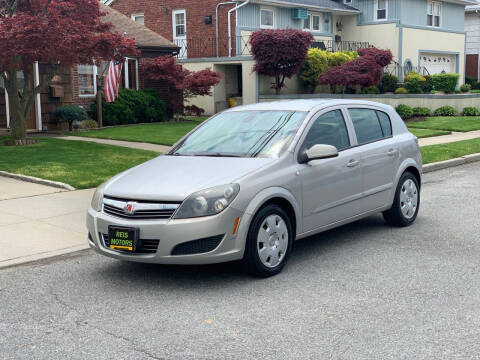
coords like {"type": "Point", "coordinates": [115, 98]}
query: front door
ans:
{"type": "Point", "coordinates": [179, 19]}
{"type": "Point", "coordinates": [332, 188]}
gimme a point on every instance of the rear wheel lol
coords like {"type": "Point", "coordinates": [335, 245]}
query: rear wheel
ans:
{"type": "Point", "coordinates": [406, 203]}
{"type": "Point", "coordinates": [269, 242]}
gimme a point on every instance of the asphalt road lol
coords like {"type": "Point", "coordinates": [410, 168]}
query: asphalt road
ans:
{"type": "Point", "coordinates": [364, 291]}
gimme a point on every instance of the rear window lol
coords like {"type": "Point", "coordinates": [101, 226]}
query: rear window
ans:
{"type": "Point", "coordinates": [370, 125]}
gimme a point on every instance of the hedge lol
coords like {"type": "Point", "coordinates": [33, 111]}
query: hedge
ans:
{"type": "Point", "coordinates": [445, 82]}
{"type": "Point", "coordinates": [131, 107]}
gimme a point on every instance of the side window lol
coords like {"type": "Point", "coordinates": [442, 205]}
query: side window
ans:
{"type": "Point", "coordinates": [367, 126]}
{"type": "Point", "coordinates": [386, 123]}
{"type": "Point", "coordinates": [329, 129]}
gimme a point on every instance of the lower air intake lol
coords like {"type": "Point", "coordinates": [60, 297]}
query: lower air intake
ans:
{"type": "Point", "coordinates": [199, 246]}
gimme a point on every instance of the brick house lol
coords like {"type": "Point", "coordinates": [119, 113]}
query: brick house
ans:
{"type": "Point", "coordinates": [78, 85]}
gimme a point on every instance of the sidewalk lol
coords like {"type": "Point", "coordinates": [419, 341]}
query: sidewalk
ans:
{"type": "Point", "coordinates": [38, 221]}
{"type": "Point", "coordinates": [129, 144]}
{"type": "Point", "coordinates": [435, 140]}
{"type": "Point", "coordinates": [445, 139]}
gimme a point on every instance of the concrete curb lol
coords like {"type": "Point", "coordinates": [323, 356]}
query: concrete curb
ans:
{"type": "Point", "coordinates": [451, 163]}
{"type": "Point", "coordinates": [42, 256]}
{"type": "Point", "coordinates": [36, 180]}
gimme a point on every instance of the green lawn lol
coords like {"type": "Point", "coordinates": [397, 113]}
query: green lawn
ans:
{"type": "Point", "coordinates": [80, 164]}
{"type": "Point", "coordinates": [453, 150]}
{"type": "Point", "coordinates": [423, 133]}
{"type": "Point", "coordinates": [157, 133]}
{"type": "Point", "coordinates": [448, 123]}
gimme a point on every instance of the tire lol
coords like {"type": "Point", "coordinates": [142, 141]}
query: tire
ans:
{"type": "Point", "coordinates": [266, 253]}
{"type": "Point", "coordinates": [406, 203]}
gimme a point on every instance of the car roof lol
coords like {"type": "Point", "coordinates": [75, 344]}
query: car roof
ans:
{"type": "Point", "coordinates": [305, 105]}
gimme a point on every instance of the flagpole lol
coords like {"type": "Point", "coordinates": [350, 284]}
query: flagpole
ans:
{"type": "Point", "coordinates": [99, 103]}
{"type": "Point", "coordinates": [99, 97]}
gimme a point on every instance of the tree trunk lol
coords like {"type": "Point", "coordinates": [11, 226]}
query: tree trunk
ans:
{"type": "Point", "coordinates": [18, 119]}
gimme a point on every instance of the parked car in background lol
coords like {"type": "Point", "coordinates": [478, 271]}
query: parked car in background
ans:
{"type": "Point", "coordinates": [249, 181]}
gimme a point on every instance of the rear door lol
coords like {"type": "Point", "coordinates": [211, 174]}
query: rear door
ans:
{"type": "Point", "coordinates": [378, 153]}
{"type": "Point", "coordinates": [332, 188]}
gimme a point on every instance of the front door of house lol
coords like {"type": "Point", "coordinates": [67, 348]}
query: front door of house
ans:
{"type": "Point", "coordinates": [179, 22]}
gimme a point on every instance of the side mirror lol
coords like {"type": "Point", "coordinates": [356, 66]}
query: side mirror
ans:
{"type": "Point", "coordinates": [320, 151]}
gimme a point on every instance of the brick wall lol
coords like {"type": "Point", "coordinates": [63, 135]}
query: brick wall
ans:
{"type": "Point", "coordinates": [200, 37]}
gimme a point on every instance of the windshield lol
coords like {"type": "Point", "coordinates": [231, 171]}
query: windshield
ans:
{"type": "Point", "coordinates": [243, 134]}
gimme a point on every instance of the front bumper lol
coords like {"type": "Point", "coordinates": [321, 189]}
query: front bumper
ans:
{"type": "Point", "coordinates": [172, 232]}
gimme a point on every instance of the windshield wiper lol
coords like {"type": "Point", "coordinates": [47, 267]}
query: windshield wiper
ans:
{"type": "Point", "coordinates": [216, 154]}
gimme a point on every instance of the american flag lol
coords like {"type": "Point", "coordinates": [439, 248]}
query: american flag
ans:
{"type": "Point", "coordinates": [112, 82]}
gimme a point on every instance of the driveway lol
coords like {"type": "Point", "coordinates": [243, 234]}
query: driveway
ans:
{"type": "Point", "coordinates": [38, 221]}
{"type": "Point", "coordinates": [363, 291]}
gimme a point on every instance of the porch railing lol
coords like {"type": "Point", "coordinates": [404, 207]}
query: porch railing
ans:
{"type": "Point", "coordinates": [207, 47]}
{"type": "Point", "coordinates": [402, 70]}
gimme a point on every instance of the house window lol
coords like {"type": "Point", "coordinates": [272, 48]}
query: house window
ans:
{"type": "Point", "coordinates": [179, 22]}
{"type": "Point", "coordinates": [347, 1]}
{"type": "Point", "coordinates": [434, 13]}
{"type": "Point", "coordinates": [381, 9]}
{"type": "Point", "coordinates": [267, 18]}
{"type": "Point", "coordinates": [307, 23]}
{"type": "Point", "coordinates": [316, 23]}
{"type": "Point", "coordinates": [87, 82]}
{"type": "Point", "coordinates": [139, 18]}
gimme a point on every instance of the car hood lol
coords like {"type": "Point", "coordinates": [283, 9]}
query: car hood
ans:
{"type": "Point", "coordinates": [173, 178]}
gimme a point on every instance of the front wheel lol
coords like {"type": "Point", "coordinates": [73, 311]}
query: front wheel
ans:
{"type": "Point", "coordinates": [269, 242]}
{"type": "Point", "coordinates": [406, 203]}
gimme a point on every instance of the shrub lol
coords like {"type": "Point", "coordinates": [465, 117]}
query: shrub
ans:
{"type": "Point", "coordinates": [318, 61]}
{"type": "Point", "coordinates": [89, 124]}
{"type": "Point", "coordinates": [70, 113]}
{"type": "Point", "coordinates": [470, 111]}
{"type": "Point", "coordinates": [465, 88]}
{"type": "Point", "coordinates": [364, 71]}
{"type": "Point", "coordinates": [401, 90]}
{"type": "Point", "coordinates": [475, 91]}
{"type": "Point", "coordinates": [388, 83]}
{"type": "Point", "coordinates": [371, 90]}
{"type": "Point", "coordinates": [132, 107]}
{"type": "Point", "coordinates": [470, 80]}
{"type": "Point", "coordinates": [445, 111]}
{"type": "Point", "coordinates": [428, 85]}
{"type": "Point", "coordinates": [414, 83]}
{"type": "Point", "coordinates": [421, 111]}
{"type": "Point", "coordinates": [181, 84]}
{"type": "Point", "coordinates": [445, 82]}
{"type": "Point", "coordinates": [405, 111]}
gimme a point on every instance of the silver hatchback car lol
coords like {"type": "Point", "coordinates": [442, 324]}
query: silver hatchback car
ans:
{"type": "Point", "coordinates": [249, 181]}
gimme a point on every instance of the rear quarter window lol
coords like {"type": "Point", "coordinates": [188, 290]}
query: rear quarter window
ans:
{"type": "Point", "coordinates": [386, 123]}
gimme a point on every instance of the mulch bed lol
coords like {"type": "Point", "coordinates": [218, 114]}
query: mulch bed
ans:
{"type": "Point", "coordinates": [23, 142]}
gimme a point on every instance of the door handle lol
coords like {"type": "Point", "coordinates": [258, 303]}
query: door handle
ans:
{"type": "Point", "coordinates": [392, 152]}
{"type": "Point", "coordinates": [353, 163]}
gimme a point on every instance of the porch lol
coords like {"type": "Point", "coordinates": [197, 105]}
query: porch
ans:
{"type": "Point", "coordinates": [195, 48]}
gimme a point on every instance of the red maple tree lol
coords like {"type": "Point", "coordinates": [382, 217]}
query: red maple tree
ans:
{"type": "Point", "coordinates": [180, 80]}
{"type": "Point", "coordinates": [279, 53]}
{"type": "Point", "coordinates": [364, 71]}
{"type": "Point", "coordinates": [59, 33]}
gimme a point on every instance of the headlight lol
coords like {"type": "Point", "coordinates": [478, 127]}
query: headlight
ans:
{"type": "Point", "coordinates": [208, 202]}
{"type": "Point", "coordinates": [97, 199]}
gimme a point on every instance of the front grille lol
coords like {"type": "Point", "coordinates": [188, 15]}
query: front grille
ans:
{"type": "Point", "coordinates": [147, 246]}
{"type": "Point", "coordinates": [199, 246]}
{"type": "Point", "coordinates": [143, 210]}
